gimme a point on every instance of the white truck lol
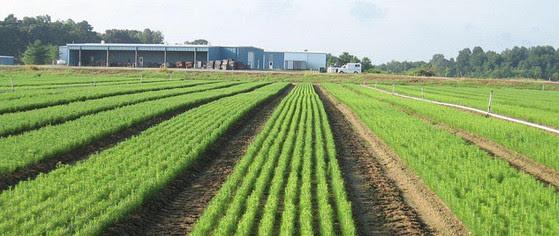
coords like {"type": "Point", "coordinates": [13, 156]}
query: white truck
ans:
{"type": "Point", "coordinates": [347, 68]}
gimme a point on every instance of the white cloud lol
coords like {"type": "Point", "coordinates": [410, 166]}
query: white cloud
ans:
{"type": "Point", "coordinates": [365, 11]}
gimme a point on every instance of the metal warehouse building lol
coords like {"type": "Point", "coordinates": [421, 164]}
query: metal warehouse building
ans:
{"type": "Point", "coordinates": [295, 61]}
{"type": "Point", "coordinates": [156, 55]}
{"type": "Point", "coordinates": [6, 60]}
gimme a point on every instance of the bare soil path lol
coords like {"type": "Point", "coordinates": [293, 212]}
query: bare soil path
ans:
{"type": "Point", "coordinates": [411, 208]}
{"type": "Point", "coordinates": [378, 205]}
{"type": "Point", "coordinates": [175, 209]}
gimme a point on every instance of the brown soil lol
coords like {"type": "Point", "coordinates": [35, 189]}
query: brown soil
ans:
{"type": "Point", "coordinates": [379, 182]}
{"type": "Point", "coordinates": [378, 205]}
{"type": "Point", "coordinates": [175, 209]}
{"type": "Point", "coordinates": [81, 153]}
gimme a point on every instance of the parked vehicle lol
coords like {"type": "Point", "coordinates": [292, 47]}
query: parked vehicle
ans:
{"type": "Point", "coordinates": [347, 68]}
{"type": "Point", "coordinates": [350, 68]}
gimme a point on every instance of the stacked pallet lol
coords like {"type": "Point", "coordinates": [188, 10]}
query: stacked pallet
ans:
{"type": "Point", "coordinates": [184, 64]}
{"type": "Point", "coordinates": [227, 64]}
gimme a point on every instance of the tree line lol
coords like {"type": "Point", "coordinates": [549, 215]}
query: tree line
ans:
{"type": "Point", "coordinates": [35, 40]}
{"type": "Point", "coordinates": [539, 62]}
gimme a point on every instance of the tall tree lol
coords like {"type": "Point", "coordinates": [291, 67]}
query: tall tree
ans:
{"type": "Point", "coordinates": [198, 42]}
{"type": "Point", "coordinates": [347, 58]}
{"type": "Point", "coordinates": [332, 60]}
{"type": "Point", "coordinates": [17, 34]}
{"type": "Point", "coordinates": [540, 62]}
{"type": "Point", "coordinates": [133, 36]}
{"type": "Point", "coordinates": [366, 64]}
{"type": "Point", "coordinates": [36, 54]}
{"type": "Point", "coordinates": [477, 60]}
{"type": "Point", "coordinates": [463, 62]}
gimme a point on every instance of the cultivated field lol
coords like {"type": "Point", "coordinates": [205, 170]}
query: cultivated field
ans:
{"type": "Point", "coordinates": [118, 152]}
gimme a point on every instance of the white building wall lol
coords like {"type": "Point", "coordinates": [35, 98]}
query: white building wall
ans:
{"type": "Point", "coordinates": [315, 61]}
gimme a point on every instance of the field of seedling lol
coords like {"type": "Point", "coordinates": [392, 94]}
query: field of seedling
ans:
{"type": "Point", "coordinates": [208, 153]}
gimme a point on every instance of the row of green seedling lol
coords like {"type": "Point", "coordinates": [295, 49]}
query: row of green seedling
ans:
{"type": "Point", "coordinates": [33, 146]}
{"type": "Point", "coordinates": [488, 195]}
{"type": "Point", "coordinates": [88, 197]}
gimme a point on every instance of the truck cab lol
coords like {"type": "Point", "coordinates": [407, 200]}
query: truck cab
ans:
{"type": "Point", "coordinates": [350, 68]}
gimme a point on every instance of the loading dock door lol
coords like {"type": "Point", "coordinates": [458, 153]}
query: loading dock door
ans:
{"type": "Point", "coordinates": [141, 61]}
{"type": "Point", "coordinates": [271, 66]}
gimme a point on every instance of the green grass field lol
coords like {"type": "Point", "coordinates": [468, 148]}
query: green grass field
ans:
{"type": "Point", "coordinates": [89, 152]}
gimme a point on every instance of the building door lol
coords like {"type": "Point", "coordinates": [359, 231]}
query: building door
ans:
{"type": "Point", "coordinates": [250, 59]}
{"type": "Point", "coordinates": [141, 61]}
{"type": "Point", "coordinates": [271, 65]}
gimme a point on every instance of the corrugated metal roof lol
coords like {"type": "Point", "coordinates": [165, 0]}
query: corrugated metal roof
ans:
{"type": "Point", "coordinates": [296, 52]}
{"type": "Point", "coordinates": [136, 45]}
{"type": "Point", "coordinates": [151, 45]}
{"type": "Point", "coordinates": [8, 57]}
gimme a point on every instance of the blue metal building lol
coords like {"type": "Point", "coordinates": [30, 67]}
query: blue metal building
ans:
{"type": "Point", "coordinates": [6, 60]}
{"type": "Point", "coordinates": [250, 56]}
{"type": "Point", "coordinates": [156, 55]}
{"type": "Point", "coordinates": [273, 60]}
{"type": "Point", "coordinates": [295, 61]}
{"type": "Point", "coordinates": [131, 55]}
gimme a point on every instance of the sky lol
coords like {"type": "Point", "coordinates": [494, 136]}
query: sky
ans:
{"type": "Point", "coordinates": [382, 30]}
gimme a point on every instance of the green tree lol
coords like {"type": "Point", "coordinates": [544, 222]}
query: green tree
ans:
{"type": "Point", "coordinates": [198, 42]}
{"type": "Point", "coordinates": [366, 64]}
{"type": "Point", "coordinates": [133, 36]}
{"type": "Point", "coordinates": [463, 62]}
{"type": "Point", "coordinates": [440, 65]}
{"type": "Point", "coordinates": [332, 60]}
{"type": "Point", "coordinates": [347, 58]}
{"type": "Point", "coordinates": [52, 54]}
{"type": "Point", "coordinates": [36, 54]}
{"type": "Point", "coordinates": [477, 61]}
{"type": "Point", "coordinates": [17, 34]}
{"type": "Point", "coordinates": [151, 37]}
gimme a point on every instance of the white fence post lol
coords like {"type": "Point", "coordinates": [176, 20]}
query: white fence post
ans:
{"type": "Point", "coordinates": [393, 88]}
{"type": "Point", "coordinates": [490, 100]}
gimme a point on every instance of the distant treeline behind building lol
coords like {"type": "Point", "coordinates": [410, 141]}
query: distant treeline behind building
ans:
{"type": "Point", "coordinates": [17, 34]}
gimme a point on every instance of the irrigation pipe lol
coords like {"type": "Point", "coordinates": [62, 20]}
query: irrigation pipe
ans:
{"type": "Point", "coordinates": [502, 117]}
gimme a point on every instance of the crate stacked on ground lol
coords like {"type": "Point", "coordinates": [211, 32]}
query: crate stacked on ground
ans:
{"type": "Point", "coordinates": [226, 64]}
